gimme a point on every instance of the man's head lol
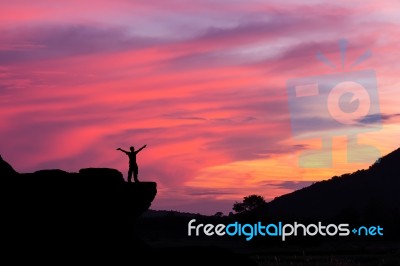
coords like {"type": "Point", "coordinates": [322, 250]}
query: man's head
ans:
{"type": "Point", "coordinates": [132, 148]}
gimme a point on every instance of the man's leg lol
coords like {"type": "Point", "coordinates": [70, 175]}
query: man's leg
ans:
{"type": "Point", "coordinates": [135, 174]}
{"type": "Point", "coordinates": [130, 175]}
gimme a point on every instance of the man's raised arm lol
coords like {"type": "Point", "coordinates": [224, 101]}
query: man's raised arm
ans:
{"type": "Point", "coordinates": [144, 146]}
{"type": "Point", "coordinates": [119, 149]}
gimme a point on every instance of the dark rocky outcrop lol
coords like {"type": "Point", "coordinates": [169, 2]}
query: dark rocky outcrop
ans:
{"type": "Point", "coordinates": [56, 212]}
{"type": "Point", "coordinates": [6, 169]}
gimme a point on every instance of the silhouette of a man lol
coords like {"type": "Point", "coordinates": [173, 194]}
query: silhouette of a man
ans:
{"type": "Point", "coordinates": [133, 167]}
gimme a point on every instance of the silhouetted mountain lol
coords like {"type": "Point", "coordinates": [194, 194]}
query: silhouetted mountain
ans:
{"type": "Point", "coordinates": [371, 192]}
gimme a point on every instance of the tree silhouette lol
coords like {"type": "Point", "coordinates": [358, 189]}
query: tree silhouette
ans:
{"type": "Point", "coordinates": [249, 203]}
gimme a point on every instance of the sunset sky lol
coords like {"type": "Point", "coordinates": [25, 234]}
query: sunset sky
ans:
{"type": "Point", "coordinates": [202, 82]}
